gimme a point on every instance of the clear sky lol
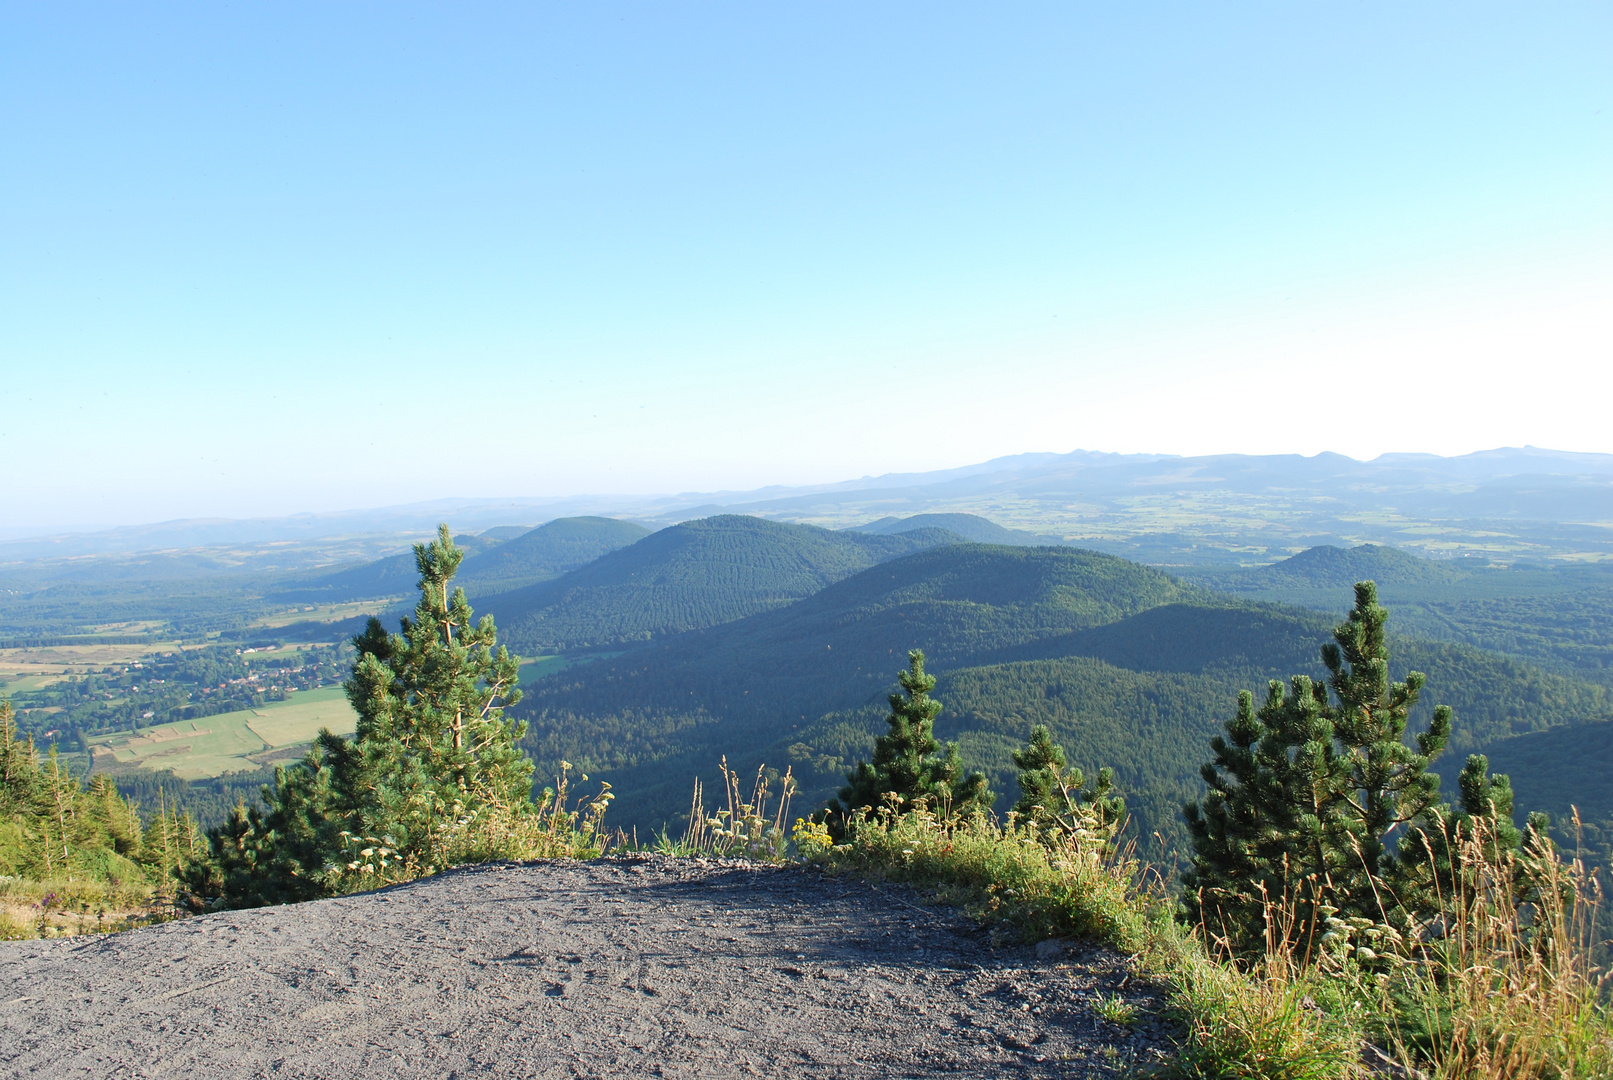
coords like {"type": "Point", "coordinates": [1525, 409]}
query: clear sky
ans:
{"type": "Point", "coordinates": [262, 258]}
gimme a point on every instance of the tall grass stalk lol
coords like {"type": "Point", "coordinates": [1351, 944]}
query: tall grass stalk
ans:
{"type": "Point", "coordinates": [1508, 986]}
{"type": "Point", "coordinates": [745, 828]}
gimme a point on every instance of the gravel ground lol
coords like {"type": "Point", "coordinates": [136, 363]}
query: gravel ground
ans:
{"type": "Point", "coordinates": [618, 967]}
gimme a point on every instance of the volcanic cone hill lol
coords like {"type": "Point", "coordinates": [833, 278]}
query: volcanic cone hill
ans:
{"type": "Point", "coordinates": [490, 566]}
{"type": "Point", "coordinates": [971, 527]}
{"type": "Point", "coordinates": [698, 574]}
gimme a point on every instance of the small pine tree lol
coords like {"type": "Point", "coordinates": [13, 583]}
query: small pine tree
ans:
{"type": "Point", "coordinates": [1049, 789]}
{"type": "Point", "coordinates": [1387, 782]}
{"type": "Point", "coordinates": [279, 854]}
{"type": "Point", "coordinates": [909, 765]}
{"type": "Point", "coordinates": [114, 816]}
{"type": "Point", "coordinates": [434, 746]}
{"type": "Point", "coordinates": [1431, 869]}
{"type": "Point", "coordinates": [1257, 834]}
{"type": "Point", "coordinates": [432, 757]}
{"type": "Point", "coordinates": [1305, 792]}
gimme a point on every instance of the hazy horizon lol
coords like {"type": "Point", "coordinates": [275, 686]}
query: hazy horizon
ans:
{"type": "Point", "coordinates": [625, 503]}
{"type": "Point", "coordinates": [271, 260]}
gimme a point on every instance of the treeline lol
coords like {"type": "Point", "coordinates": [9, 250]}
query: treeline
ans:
{"type": "Point", "coordinates": [55, 828]}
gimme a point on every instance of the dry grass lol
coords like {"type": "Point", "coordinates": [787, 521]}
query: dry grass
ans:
{"type": "Point", "coordinates": [1273, 1021]}
{"type": "Point", "coordinates": [746, 828]}
{"type": "Point", "coordinates": [1509, 990]}
{"type": "Point", "coordinates": [36, 909]}
{"type": "Point", "coordinates": [1502, 985]}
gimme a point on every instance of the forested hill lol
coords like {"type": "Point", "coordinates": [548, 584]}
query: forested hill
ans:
{"type": "Point", "coordinates": [742, 686]}
{"type": "Point", "coordinates": [969, 526]}
{"type": "Point", "coordinates": [1327, 566]}
{"type": "Point", "coordinates": [1559, 616]}
{"type": "Point", "coordinates": [394, 575]}
{"type": "Point", "coordinates": [1130, 667]}
{"type": "Point", "coordinates": [491, 564]}
{"type": "Point", "coordinates": [546, 552]}
{"type": "Point", "coordinates": [963, 604]}
{"type": "Point", "coordinates": [697, 574]}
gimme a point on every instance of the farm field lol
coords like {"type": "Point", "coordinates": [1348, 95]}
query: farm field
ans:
{"type": "Point", "coordinates": [536, 667]}
{"type": "Point", "coordinates": [229, 742]}
{"type": "Point", "coordinates": [33, 668]}
{"type": "Point", "coordinates": [320, 613]}
{"type": "Point", "coordinates": [298, 720]}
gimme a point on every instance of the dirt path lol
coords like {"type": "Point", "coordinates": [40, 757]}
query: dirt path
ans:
{"type": "Point", "coordinates": [620, 967]}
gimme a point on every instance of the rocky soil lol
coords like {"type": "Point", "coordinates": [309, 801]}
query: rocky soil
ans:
{"type": "Point", "coordinates": [619, 967]}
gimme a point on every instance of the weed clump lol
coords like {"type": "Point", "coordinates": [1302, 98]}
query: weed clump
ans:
{"type": "Point", "coordinates": [744, 829]}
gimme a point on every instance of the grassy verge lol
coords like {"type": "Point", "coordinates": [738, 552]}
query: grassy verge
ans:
{"type": "Point", "coordinates": [1508, 990]}
{"type": "Point", "coordinates": [49, 909]}
{"type": "Point", "coordinates": [1068, 885]}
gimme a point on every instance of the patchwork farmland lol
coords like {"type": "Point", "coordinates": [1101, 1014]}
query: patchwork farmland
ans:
{"type": "Point", "coordinates": [241, 741]}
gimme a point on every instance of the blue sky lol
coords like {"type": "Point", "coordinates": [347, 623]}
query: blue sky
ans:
{"type": "Point", "coordinates": [257, 259]}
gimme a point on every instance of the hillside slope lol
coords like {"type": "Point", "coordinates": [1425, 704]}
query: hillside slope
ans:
{"type": "Point", "coordinates": [394, 575]}
{"type": "Point", "coordinates": [963, 604]}
{"type": "Point", "coordinates": [746, 685]}
{"type": "Point", "coordinates": [1558, 616]}
{"type": "Point", "coordinates": [697, 574]}
{"type": "Point", "coordinates": [971, 527]}
{"type": "Point", "coordinates": [490, 565]}
{"type": "Point", "coordinates": [1091, 644]}
{"type": "Point", "coordinates": [546, 552]}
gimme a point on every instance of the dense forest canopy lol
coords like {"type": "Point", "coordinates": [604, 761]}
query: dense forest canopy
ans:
{"type": "Point", "coordinates": [1127, 667]}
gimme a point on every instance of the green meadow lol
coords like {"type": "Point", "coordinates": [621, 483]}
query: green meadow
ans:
{"type": "Point", "coordinates": [534, 668]}
{"type": "Point", "coordinates": [229, 742]}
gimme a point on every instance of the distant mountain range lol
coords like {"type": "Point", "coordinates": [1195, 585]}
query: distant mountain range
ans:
{"type": "Point", "coordinates": [1503, 504]}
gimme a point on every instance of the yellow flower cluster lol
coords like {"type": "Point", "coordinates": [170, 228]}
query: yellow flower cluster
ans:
{"type": "Point", "coordinates": [811, 837]}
